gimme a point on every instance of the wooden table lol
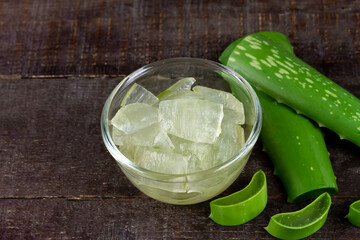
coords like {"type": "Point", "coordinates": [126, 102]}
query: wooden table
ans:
{"type": "Point", "coordinates": [59, 60]}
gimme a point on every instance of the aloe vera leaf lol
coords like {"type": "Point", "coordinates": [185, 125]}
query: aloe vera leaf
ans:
{"type": "Point", "coordinates": [242, 206]}
{"type": "Point", "coordinates": [269, 65]}
{"type": "Point", "coordinates": [302, 223]}
{"type": "Point", "coordinates": [297, 150]}
{"type": "Point", "coordinates": [354, 213]}
{"type": "Point", "coordinates": [279, 39]}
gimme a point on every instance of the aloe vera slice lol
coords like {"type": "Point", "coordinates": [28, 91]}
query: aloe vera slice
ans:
{"type": "Point", "coordinates": [269, 64]}
{"type": "Point", "coordinates": [302, 223]}
{"type": "Point", "coordinates": [242, 206]}
{"type": "Point", "coordinates": [354, 213]}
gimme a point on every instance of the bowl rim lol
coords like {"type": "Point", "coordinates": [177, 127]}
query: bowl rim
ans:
{"type": "Point", "coordinates": [125, 162]}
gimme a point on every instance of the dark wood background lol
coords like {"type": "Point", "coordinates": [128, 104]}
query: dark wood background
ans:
{"type": "Point", "coordinates": [59, 60]}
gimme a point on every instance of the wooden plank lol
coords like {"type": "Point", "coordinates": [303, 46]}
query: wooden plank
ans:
{"type": "Point", "coordinates": [56, 62]}
{"type": "Point", "coordinates": [110, 37]}
{"type": "Point", "coordinates": [50, 136]}
{"type": "Point", "coordinates": [139, 218]}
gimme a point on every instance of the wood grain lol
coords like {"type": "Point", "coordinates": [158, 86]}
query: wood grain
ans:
{"type": "Point", "coordinates": [59, 60]}
{"type": "Point", "coordinates": [117, 37]}
{"type": "Point", "coordinates": [116, 219]}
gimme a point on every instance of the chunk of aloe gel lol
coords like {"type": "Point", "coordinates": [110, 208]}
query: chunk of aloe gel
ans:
{"type": "Point", "coordinates": [134, 117]}
{"type": "Point", "coordinates": [302, 223]}
{"type": "Point", "coordinates": [201, 154]}
{"type": "Point", "coordinates": [194, 120]}
{"type": "Point", "coordinates": [233, 107]}
{"type": "Point", "coordinates": [152, 135]}
{"type": "Point", "coordinates": [161, 161]}
{"type": "Point", "coordinates": [229, 142]}
{"type": "Point", "coordinates": [242, 206]}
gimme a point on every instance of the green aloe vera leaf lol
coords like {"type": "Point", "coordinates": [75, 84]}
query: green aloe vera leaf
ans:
{"type": "Point", "coordinates": [242, 206]}
{"type": "Point", "coordinates": [268, 64]}
{"type": "Point", "coordinates": [302, 223]}
{"type": "Point", "coordinates": [279, 39]}
{"type": "Point", "coordinates": [276, 37]}
{"type": "Point", "coordinates": [354, 213]}
{"type": "Point", "coordinates": [227, 52]}
{"type": "Point", "coordinates": [297, 150]}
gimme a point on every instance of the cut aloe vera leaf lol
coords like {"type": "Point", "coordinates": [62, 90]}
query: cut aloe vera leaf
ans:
{"type": "Point", "coordinates": [184, 83]}
{"type": "Point", "coordinates": [242, 206]}
{"type": "Point", "coordinates": [232, 105]}
{"type": "Point", "coordinates": [194, 120]}
{"type": "Point", "coordinates": [138, 93]}
{"type": "Point", "coordinates": [296, 147]}
{"type": "Point", "coordinates": [297, 150]}
{"type": "Point", "coordinates": [302, 223]}
{"type": "Point", "coordinates": [354, 213]}
{"type": "Point", "coordinates": [230, 141]}
{"type": "Point", "coordinates": [269, 65]}
{"type": "Point", "coordinates": [201, 154]}
{"type": "Point", "coordinates": [161, 161]}
{"type": "Point", "coordinates": [134, 117]}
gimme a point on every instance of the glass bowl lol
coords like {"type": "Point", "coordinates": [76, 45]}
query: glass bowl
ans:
{"type": "Point", "coordinates": [198, 186]}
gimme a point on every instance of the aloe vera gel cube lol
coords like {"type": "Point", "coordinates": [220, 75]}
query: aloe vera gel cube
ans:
{"type": "Point", "coordinates": [134, 117]}
{"type": "Point", "coordinates": [195, 120]}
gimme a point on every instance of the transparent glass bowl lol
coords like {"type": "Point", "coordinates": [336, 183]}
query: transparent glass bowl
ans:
{"type": "Point", "coordinates": [198, 186]}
